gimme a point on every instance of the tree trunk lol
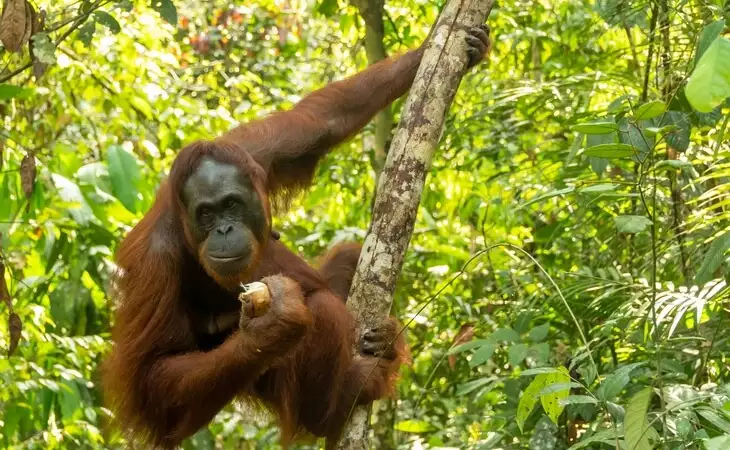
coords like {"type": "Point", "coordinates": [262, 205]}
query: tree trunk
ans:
{"type": "Point", "coordinates": [403, 177]}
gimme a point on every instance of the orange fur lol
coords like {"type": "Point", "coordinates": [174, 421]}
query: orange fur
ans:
{"type": "Point", "coordinates": [164, 378]}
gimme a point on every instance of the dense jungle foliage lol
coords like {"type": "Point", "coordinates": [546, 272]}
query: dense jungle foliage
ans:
{"type": "Point", "coordinates": [566, 284]}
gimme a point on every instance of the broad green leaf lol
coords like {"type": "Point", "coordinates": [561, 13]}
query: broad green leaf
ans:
{"type": "Point", "coordinates": [124, 175]}
{"type": "Point", "coordinates": [516, 354]}
{"type": "Point", "coordinates": [529, 398]}
{"type": "Point", "coordinates": [636, 422]}
{"type": "Point", "coordinates": [86, 32]}
{"type": "Point", "coordinates": [8, 91]}
{"type": "Point", "coordinates": [649, 110]}
{"type": "Point", "coordinates": [539, 333]}
{"type": "Point", "coordinates": [610, 151]}
{"type": "Point", "coordinates": [413, 426]}
{"type": "Point", "coordinates": [714, 418]}
{"type": "Point", "coordinates": [44, 49]}
{"type": "Point", "coordinates": [595, 128]}
{"type": "Point", "coordinates": [604, 436]}
{"type": "Point", "coordinates": [482, 355]}
{"type": "Point", "coordinates": [142, 106]}
{"type": "Point", "coordinates": [707, 37]}
{"type": "Point", "coordinates": [70, 193]}
{"type": "Point", "coordinates": [327, 8]}
{"type": "Point", "coordinates": [718, 443]}
{"type": "Point", "coordinates": [673, 164]}
{"type": "Point", "coordinates": [599, 188]}
{"type": "Point", "coordinates": [167, 10]}
{"type": "Point", "coordinates": [70, 400]}
{"type": "Point", "coordinates": [612, 386]}
{"type": "Point", "coordinates": [713, 258]}
{"type": "Point", "coordinates": [538, 371]}
{"type": "Point", "coordinates": [578, 399]}
{"type": "Point", "coordinates": [631, 224]}
{"type": "Point", "coordinates": [558, 387]}
{"type": "Point", "coordinates": [108, 21]}
{"type": "Point", "coordinates": [551, 401]}
{"type": "Point", "coordinates": [679, 138]}
{"type": "Point", "coordinates": [504, 334]}
{"type": "Point", "coordinates": [635, 135]}
{"type": "Point", "coordinates": [709, 84]}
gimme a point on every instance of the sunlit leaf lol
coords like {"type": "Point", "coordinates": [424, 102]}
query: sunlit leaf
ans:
{"type": "Point", "coordinates": [707, 37]}
{"type": "Point", "coordinates": [631, 224]}
{"type": "Point", "coordinates": [413, 426]}
{"type": "Point", "coordinates": [636, 422]}
{"type": "Point", "coordinates": [124, 175]}
{"type": "Point", "coordinates": [577, 400]}
{"type": "Point", "coordinates": [516, 354]}
{"type": "Point", "coordinates": [649, 110]}
{"type": "Point", "coordinates": [709, 84]}
{"type": "Point", "coordinates": [595, 128]}
{"type": "Point", "coordinates": [610, 151]}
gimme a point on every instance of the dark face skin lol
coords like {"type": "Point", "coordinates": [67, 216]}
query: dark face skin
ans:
{"type": "Point", "coordinates": [226, 217]}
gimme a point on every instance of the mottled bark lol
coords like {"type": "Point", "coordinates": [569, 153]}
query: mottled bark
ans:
{"type": "Point", "coordinates": [403, 176]}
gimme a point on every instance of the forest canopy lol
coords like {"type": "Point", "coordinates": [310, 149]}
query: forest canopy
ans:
{"type": "Point", "coordinates": [565, 286]}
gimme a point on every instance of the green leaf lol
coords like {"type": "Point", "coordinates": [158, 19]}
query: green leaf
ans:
{"type": "Point", "coordinates": [595, 128]}
{"type": "Point", "coordinates": [578, 400]}
{"type": "Point", "coordinates": [538, 371]}
{"type": "Point", "coordinates": [413, 426]}
{"type": "Point", "coordinates": [631, 224]}
{"type": "Point", "coordinates": [718, 443]}
{"type": "Point", "coordinates": [636, 422]}
{"type": "Point", "coordinates": [631, 134]}
{"type": "Point", "coordinates": [713, 258]}
{"type": "Point", "coordinates": [610, 151]}
{"type": "Point", "coordinates": [142, 106]}
{"type": "Point", "coordinates": [516, 354]}
{"type": "Point", "coordinates": [539, 333]}
{"type": "Point", "coordinates": [124, 175]}
{"type": "Point", "coordinates": [649, 110]}
{"type": "Point", "coordinates": [469, 345]}
{"type": "Point", "coordinates": [679, 138]}
{"type": "Point", "coordinates": [70, 193]}
{"type": "Point", "coordinates": [715, 419]}
{"type": "Point", "coordinates": [166, 9]}
{"type": "Point", "coordinates": [612, 385]}
{"type": "Point", "coordinates": [551, 402]}
{"type": "Point", "coordinates": [604, 436]}
{"type": "Point", "coordinates": [559, 387]}
{"type": "Point", "coordinates": [86, 32]}
{"type": "Point", "coordinates": [327, 8]}
{"type": "Point", "coordinates": [599, 188]}
{"type": "Point", "coordinates": [707, 37]}
{"type": "Point", "coordinates": [673, 164]}
{"type": "Point", "coordinates": [529, 398]}
{"type": "Point", "coordinates": [108, 21]}
{"type": "Point", "coordinates": [482, 355]}
{"type": "Point", "coordinates": [504, 334]}
{"type": "Point", "coordinates": [709, 84]}
{"type": "Point", "coordinates": [44, 49]}
{"type": "Point", "coordinates": [8, 91]}
{"type": "Point", "coordinates": [548, 195]}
